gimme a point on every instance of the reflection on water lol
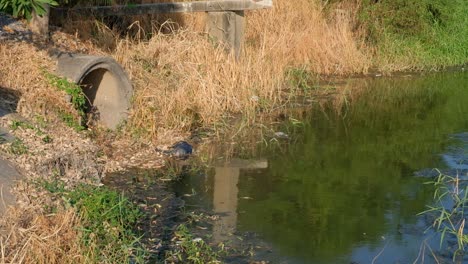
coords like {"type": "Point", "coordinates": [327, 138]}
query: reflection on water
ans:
{"type": "Point", "coordinates": [225, 195]}
{"type": "Point", "coordinates": [345, 190]}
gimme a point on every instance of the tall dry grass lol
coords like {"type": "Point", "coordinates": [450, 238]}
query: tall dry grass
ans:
{"type": "Point", "coordinates": [22, 67]}
{"type": "Point", "coordinates": [41, 239]}
{"type": "Point", "coordinates": [183, 81]}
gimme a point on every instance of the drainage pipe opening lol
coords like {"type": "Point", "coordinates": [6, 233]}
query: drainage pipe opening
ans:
{"type": "Point", "coordinates": [104, 83]}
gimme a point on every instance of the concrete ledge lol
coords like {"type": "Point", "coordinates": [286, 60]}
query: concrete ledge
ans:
{"type": "Point", "coordinates": [8, 176]}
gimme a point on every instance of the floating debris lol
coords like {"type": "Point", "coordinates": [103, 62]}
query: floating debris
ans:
{"type": "Point", "coordinates": [281, 135]}
{"type": "Point", "coordinates": [181, 150]}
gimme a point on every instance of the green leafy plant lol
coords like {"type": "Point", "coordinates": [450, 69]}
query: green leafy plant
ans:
{"type": "Point", "coordinates": [107, 221]}
{"type": "Point", "coordinates": [108, 218]}
{"type": "Point", "coordinates": [70, 120]}
{"type": "Point", "coordinates": [450, 204]}
{"type": "Point", "coordinates": [78, 98]}
{"type": "Point", "coordinates": [18, 147]}
{"type": "Point", "coordinates": [15, 124]}
{"type": "Point", "coordinates": [301, 78]}
{"type": "Point", "coordinates": [25, 8]}
{"type": "Point", "coordinates": [190, 249]}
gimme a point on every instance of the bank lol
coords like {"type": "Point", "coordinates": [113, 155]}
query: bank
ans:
{"type": "Point", "coordinates": [186, 88]}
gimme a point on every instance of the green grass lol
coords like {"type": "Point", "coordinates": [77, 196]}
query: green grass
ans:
{"type": "Point", "coordinates": [16, 124]}
{"type": "Point", "coordinates": [70, 120]}
{"type": "Point", "coordinates": [108, 222]}
{"type": "Point", "coordinates": [191, 250]}
{"type": "Point", "coordinates": [77, 99]}
{"type": "Point", "coordinates": [450, 220]}
{"type": "Point", "coordinates": [302, 79]}
{"type": "Point", "coordinates": [425, 34]}
{"type": "Point", "coordinates": [108, 219]}
{"type": "Point", "coordinates": [18, 147]}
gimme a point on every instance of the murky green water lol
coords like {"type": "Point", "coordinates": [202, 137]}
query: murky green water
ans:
{"type": "Point", "coordinates": [345, 189]}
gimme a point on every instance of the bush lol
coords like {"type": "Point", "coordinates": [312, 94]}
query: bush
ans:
{"type": "Point", "coordinates": [406, 17]}
{"type": "Point", "coordinates": [25, 8]}
{"type": "Point", "coordinates": [411, 35]}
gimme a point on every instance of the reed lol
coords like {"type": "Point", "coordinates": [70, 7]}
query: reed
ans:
{"type": "Point", "coordinates": [183, 81]}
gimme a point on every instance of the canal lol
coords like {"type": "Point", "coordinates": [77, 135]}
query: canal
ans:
{"type": "Point", "coordinates": [348, 183]}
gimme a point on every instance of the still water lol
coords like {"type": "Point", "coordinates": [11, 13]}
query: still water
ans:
{"type": "Point", "coordinates": [348, 185]}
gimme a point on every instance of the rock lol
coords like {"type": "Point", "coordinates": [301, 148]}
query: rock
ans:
{"type": "Point", "coordinates": [10, 28]}
{"type": "Point", "coordinates": [281, 135]}
{"type": "Point", "coordinates": [181, 150]}
{"type": "Point", "coordinates": [8, 176]}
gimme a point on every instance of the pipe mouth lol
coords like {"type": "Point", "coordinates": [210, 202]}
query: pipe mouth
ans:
{"type": "Point", "coordinates": [104, 83]}
{"type": "Point", "coordinates": [106, 103]}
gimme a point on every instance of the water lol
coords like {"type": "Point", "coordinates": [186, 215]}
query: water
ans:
{"type": "Point", "coordinates": [345, 189]}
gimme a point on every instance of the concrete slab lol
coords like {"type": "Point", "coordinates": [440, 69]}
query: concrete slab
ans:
{"type": "Point", "coordinates": [8, 176]}
{"type": "Point", "coordinates": [5, 136]}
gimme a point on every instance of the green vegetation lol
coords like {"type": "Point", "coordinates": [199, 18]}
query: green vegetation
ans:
{"type": "Point", "coordinates": [25, 8]}
{"type": "Point", "coordinates": [450, 200]}
{"type": "Point", "coordinates": [302, 79]}
{"type": "Point", "coordinates": [18, 147]}
{"type": "Point", "coordinates": [77, 98]}
{"type": "Point", "coordinates": [108, 219]}
{"type": "Point", "coordinates": [190, 249]}
{"type": "Point", "coordinates": [417, 34]}
{"type": "Point", "coordinates": [70, 120]}
{"type": "Point", "coordinates": [17, 124]}
{"type": "Point", "coordinates": [107, 222]}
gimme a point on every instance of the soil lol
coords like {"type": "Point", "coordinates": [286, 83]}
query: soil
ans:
{"type": "Point", "coordinates": [49, 149]}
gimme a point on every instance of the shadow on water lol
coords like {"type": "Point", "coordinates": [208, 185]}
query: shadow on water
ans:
{"type": "Point", "coordinates": [345, 191]}
{"type": "Point", "coordinates": [161, 208]}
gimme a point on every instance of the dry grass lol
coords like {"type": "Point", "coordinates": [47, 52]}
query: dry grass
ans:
{"type": "Point", "coordinates": [40, 239]}
{"type": "Point", "coordinates": [182, 81]}
{"type": "Point", "coordinates": [22, 66]}
{"type": "Point", "coordinates": [302, 33]}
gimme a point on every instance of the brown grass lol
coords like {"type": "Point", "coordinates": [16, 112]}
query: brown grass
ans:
{"type": "Point", "coordinates": [182, 81]}
{"type": "Point", "coordinates": [22, 66]}
{"type": "Point", "coordinates": [40, 239]}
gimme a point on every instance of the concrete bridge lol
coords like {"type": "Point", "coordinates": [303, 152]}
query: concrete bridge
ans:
{"type": "Point", "coordinates": [108, 87]}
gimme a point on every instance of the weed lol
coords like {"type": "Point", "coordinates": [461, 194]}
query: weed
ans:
{"type": "Point", "coordinates": [54, 186]}
{"type": "Point", "coordinates": [70, 121]}
{"type": "Point", "coordinates": [107, 218]}
{"type": "Point", "coordinates": [15, 124]}
{"type": "Point", "coordinates": [409, 35]}
{"type": "Point", "coordinates": [190, 249]}
{"type": "Point", "coordinates": [25, 8]}
{"type": "Point", "coordinates": [301, 78]}
{"type": "Point", "coordinates": [18, 147]}
{"type": "Point", "coordinates": [451, 202]}
{"type": "Point", "coordinates": [47, 139]}
{"type": "Point", "coordinates": [77, 98]}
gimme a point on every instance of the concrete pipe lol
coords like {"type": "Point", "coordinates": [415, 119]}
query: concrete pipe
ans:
{"type": "Point", "coordinates": [104, 83]}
